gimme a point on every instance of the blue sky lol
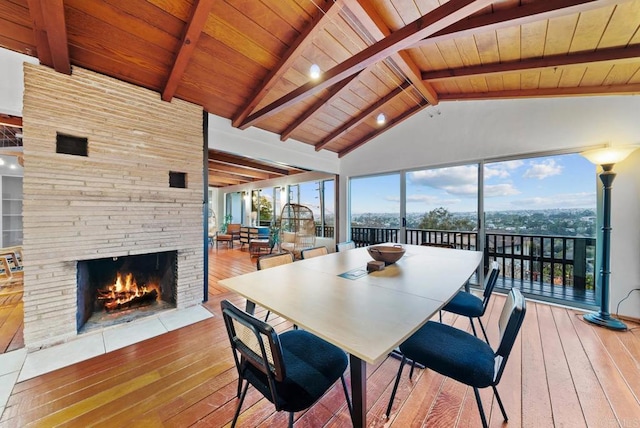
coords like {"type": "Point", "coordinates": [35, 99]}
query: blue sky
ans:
{"type": "Point", "coordinates": [563, 181]}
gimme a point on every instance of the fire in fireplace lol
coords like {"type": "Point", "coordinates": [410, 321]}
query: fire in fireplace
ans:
{"type": "Point", "coordinates": [125, 293]}
{"type": "Point", "coordinates": [120, 289]}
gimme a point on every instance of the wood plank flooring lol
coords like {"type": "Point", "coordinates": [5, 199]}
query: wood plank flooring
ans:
{"type": "Point", "coordinates": [562, 372]}
{"type": "Point", "coordinates": [11, 316]}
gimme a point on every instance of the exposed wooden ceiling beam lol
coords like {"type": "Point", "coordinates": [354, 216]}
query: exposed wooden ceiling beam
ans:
{"type": "Point", "coordinates": [194, 27]}
{"type": "Point", "coordinates": [40, 33]}
{"type": "Point", "coordinates": [631, 89]}
{"type": "Point", "coordinates": [366, 14]}
{"type": "Point", "coordinates": [53, 11]}
{"type": "Point", "coordinates": [232, 160]}
{"type": "Point", "coordinates": [333, 91]}
{"type": "Point", "coordinates": [216, 180]}
{"type": "Point", "coordinates": [239, 170]}
{"type": "Point", "coordinates": [413, 110]}
{"type": "Point", "coordinates": [525, 14]}
{"type": "Point", "coordinates": [8, 120]}
{"type": "Point", "coordinates": [327, 11]}
{"type": "Point", "coordinates": [620, 55]}
{"type": "Point", "coordinates": [441, 17]}
{"type": "Point", "coordinates": [230, 178]}
{"type": "Point", "coordinates": [364, 115]}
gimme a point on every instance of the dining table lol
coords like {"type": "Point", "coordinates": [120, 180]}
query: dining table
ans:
{"type": "Point", "coordinates": [367, 314]}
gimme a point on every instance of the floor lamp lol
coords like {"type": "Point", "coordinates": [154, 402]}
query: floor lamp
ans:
{"type": "Point", "coordinates": [606, 157]}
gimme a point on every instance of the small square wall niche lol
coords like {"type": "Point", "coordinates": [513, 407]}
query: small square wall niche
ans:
{"type": "Point", "coordinates": [71, 145]}
{"type": "Point", "coordinates": [178, 179]}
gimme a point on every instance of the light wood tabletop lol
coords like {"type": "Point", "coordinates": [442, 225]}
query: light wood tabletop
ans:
{"type": "Point", "coordinates": [365, 314]}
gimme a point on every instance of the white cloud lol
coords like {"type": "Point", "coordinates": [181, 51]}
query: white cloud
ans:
{"type": "Point", "coordinates": [543, 169]}
{"type": "Point", "coordinates": [495, 190]}
{"type": "Point", "coordinates": [431, 200]}
{"type": "Point", "coordinates": [428, 199]}
{"type": "Point", "coordinates": [462, 190]}
{"type": "Point", "coordinates": [491, 172]}
{"type": "Point", "coordinates": [501, 169]}
{"type": "Point", "coordinates": [513, 164]}
{"type": "Point", "coordinates": [458, 180]}
{"type": "Point", "coordinates": [569, 200]}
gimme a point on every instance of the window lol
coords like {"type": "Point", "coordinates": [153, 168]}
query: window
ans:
{"type": "Point", "coordinates": [441, 201]}
{"type": "Point", "coordinates": [540, 221]}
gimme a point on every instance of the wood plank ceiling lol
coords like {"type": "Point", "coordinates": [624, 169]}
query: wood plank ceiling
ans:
{"type": "Point", "coordinates": [249, 60]}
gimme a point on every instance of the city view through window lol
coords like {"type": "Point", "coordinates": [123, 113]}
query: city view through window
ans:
{"type": "Point", "coordinates": [539, 214]}
{"type": "Point", "coordinates": [553, 195]}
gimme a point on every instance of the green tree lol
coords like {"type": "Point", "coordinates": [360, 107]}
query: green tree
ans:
{"type": "Point", "coordinates": [266, 209]}
{"type": "Point", "coordinates": [441, 219]}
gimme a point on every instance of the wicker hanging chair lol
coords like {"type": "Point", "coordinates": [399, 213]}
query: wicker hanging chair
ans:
{"type": "Point", "coordinates": [297, 228]}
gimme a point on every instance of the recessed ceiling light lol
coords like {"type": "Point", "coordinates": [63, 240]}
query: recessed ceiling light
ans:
{"type": "Point", "coordinates": [381, 119]}
{"type": "Point", "coordinates": [314, 71]}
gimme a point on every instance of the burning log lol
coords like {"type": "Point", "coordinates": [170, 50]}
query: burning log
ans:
{"type": "Point", "coordinates": [114, 301]}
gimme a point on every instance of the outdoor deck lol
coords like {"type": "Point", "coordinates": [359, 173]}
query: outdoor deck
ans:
{"type": "Point", "coordinates": [562, 372]}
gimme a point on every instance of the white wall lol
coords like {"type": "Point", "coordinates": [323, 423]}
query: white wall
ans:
{"type": "Point", "coordinates": [476, 130]}
{"type": "Point", "coordinates": [625, 236]}
{"type": "Point", "coordinates": [12, 81]}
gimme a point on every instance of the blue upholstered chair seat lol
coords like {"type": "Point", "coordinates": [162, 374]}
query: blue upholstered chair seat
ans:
{"type": "Point", "coordinates": [468, 359]}
{"type": "Point", "coordinates": [466, 304]}
{"type": "Point", "coordinates": [313, 365]}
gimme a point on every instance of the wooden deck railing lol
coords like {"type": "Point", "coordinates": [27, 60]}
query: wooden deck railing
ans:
{"type": "Point", "coordinates": [538, 262]}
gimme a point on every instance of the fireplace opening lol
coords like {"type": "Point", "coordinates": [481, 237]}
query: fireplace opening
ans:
{"type": "Point", "coordinates": [121, 289]}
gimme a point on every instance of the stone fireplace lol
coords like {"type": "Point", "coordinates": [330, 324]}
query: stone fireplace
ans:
{"type": "Point", "coordinates": [121, 289]}
{"type": "Point", "coordinates": [111, 172]}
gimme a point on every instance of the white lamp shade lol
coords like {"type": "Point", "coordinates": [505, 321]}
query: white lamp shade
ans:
{"type": "Point", "coordinates": [609, 155]}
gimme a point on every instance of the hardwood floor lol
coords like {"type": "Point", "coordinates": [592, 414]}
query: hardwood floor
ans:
{"type": "Point", "coordinates": [562, 372]}
{"type": "Point", "coordinates": [11, 316]}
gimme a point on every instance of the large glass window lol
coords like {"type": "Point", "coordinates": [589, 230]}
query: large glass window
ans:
{"type": "Point", "coordinates": [328, 200]}
{"type": "Point", "coordinates": [314, 195]}
{"type": "Point", "coordinates": [540, 221]}
{"type": "Point", "coordinates": [375, 209]}
{"type": "Point", "coordinates": [440, 203]}
{"type": "Point", "coordinates": [234, 208]}
{"type": "Point", "coordinates": [262, 207]}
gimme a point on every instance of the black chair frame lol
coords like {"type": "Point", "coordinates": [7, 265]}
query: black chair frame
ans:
{"type": "Point", "coordinates": [268, 358]}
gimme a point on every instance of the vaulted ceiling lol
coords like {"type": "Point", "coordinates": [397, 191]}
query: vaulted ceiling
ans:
{"type": "Point", "coordinates": [249, 60]}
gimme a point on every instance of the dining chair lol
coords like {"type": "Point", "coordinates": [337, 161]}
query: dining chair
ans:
{"type": "Point", "coordinates": [469, 305]}
{"type": "Point", "coordinates": [273, 260]}
{"type": "Point", "coordinates": [292, 369]}
{"type": "Point", "coordinates": [344, 246]}
{"type": "Point", "coordinates": [313, 252]}
{"type": "Point", "coordinates": [463, 357]}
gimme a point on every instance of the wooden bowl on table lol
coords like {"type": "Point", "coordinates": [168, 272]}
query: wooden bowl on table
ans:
{"type": "Point", "coordinates": [386, 253]}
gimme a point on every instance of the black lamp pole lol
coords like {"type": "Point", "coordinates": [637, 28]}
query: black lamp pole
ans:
{"type": "Point", "coordinates": [603, 317]}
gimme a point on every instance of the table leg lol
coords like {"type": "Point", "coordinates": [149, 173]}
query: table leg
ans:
{"type": "Point", "coordinates": [358, 390]}
{"type": "Point", "coordinates": [250, 307]}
